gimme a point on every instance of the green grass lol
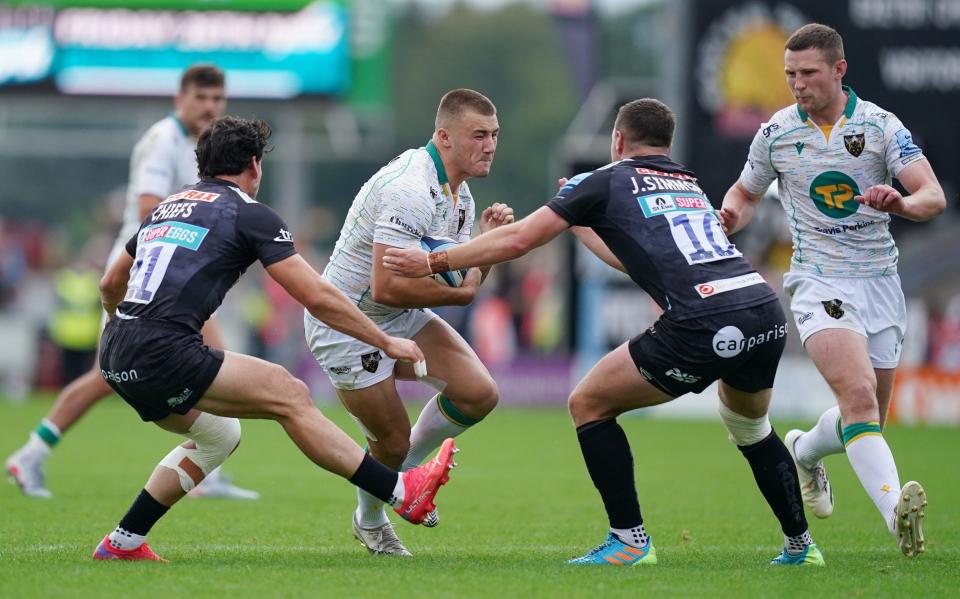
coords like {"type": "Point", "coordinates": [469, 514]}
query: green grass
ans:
{"type": "Point", "coordinates": [519, 505]}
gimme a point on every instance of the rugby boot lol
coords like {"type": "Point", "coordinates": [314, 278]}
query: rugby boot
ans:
{"type": "Point", "coordinates": [25, 469]}
{"type": "Point", "coordinates": [382, 540]}
{"type": "Point", "coordinates": [814, 484]}
{"type": "Point", "coordinates": [810, 556]}
{"type": "Point", "coordinates": [422, 483]}
{"type": "Point", "coordinates": [908, 518]}
{"type": "Point", "coordinates": [614, 552]}
{"type": "Point", "coordinates": [106, 551]}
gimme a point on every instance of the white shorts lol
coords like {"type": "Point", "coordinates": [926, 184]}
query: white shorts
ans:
{"type": "Point", "coordinates": [352, 364]}
{"type": "Point", "coordinates": [871, 306]}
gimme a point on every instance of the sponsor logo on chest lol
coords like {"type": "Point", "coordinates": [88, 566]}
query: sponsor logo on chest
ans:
{"type": "Point", "coordinates": [182, 234]}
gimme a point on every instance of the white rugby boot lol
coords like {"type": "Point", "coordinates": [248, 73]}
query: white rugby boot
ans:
{"type": "Point", "coordinates": [382, 540]}
{"type": "Point", "coordinates": [814, 484]}
{"type": "Point", "coordinates": [25, 469]}
{"type": "Point", "coordinates": [218, 485]}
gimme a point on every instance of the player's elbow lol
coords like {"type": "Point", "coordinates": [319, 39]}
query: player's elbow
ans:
{"type": "Point", "coordinates": [383, 294]}
{"type": "Point", "coordinates": [519, 244]}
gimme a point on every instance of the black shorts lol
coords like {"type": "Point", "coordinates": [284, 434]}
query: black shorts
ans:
{"type": "Point", "coordinates": [741, 347]}
{"type": "Point", "coordinates": [157, 367]}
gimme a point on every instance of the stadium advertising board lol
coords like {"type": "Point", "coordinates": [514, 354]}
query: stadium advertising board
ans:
{"type": "Point", "coordinates": [113, 48]}
{"type": "Point", "coordinates": [905, 56]}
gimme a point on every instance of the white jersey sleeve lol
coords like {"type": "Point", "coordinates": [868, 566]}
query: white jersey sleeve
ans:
{"type": "Point", "coordinates": [153, 165]}
{"type": "Point", "coordinates": [900, 151]}
{"type": "Point", "coordinates": [758, 172]}
{"type": "Point", "coordinates": [406, 215]}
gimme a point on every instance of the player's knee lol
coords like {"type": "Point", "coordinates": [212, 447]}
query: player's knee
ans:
{"type": "Point", "coordinates": [584, 409]}
{"type": "Point", "coordinates": [392, 449]}
{"type": "Point", "coordinates": [292, 396]}
{"type": "Point", "coordinates": [214, 439]}
{"type": "Point", "coordinates": [858, 401]}
{"type": "Point", "coordinates": [744, 430]}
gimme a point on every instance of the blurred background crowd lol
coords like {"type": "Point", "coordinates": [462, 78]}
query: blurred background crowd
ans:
{"type": "Point", "coordinates": [347, 84]}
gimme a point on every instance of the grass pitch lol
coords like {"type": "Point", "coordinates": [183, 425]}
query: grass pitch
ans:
{"type": "Point", "coordinates": [520, 504]}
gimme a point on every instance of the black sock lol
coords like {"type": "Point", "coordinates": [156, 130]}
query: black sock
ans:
{"type": "Point", "coordinates": [610, 464]}
{"type": "Point", "coordinates": [776, 475]}
{"type": "Point", "coordinates": [375, 478]}
{"type": "Point", "coordinates": [143, 514]}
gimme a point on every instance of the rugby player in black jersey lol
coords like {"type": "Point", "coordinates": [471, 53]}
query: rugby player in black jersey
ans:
{"type": "Point", "coordinates": [646, 215]}
{"type": "Point", "coordinates": [188, 253]}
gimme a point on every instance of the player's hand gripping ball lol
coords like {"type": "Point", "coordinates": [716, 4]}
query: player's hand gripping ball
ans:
{"type": "Point", "coordinates": [454, 278]}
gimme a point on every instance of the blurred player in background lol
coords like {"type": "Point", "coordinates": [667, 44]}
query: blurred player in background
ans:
{"type": "Point", "coordinates": [172, 276]}
{"type": "Point", "coordinates": [163, 161]}
{"type": "Point", "coordinates": [835, 156]}
{"type": "Point", "coordinates": [646, 216]}
{"type": "Point", "coordinates": [422, 192]}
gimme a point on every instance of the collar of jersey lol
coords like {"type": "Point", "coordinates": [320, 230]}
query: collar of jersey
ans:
{"type": "Point", "coordinates": [183, 128]}
{"type": "Point", "coordinates": [847, 110]}
{"type": "Point", "coordinates": [437, 162]}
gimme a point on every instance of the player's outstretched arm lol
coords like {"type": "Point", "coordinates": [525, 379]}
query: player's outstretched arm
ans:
{"type": "Point", "coordinates": [589, 238]}
{"type": "Point", "coordinates": [926, 199]}
{"type": "Point", "coordinates": [737, 209]}
{"type": "Point", "coordinates": [113, 284]}
{"type": "Point", "coordinates": [328, 304]}
{"type": "Point", "coordinates": [386, 287]}
{"type": "Point", "coordinates": [500, 245]}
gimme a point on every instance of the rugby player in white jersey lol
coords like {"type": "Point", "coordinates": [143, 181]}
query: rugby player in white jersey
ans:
{"type": "Point", "coordinates": [834, 156]}
{"type": "Point", "coordinates": [422, 192]}
{"type": "Point", "coordinates": [162, 162]}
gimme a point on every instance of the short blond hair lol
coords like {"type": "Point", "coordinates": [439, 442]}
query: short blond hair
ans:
{"type": "Point", "coordinates": [458, 101]}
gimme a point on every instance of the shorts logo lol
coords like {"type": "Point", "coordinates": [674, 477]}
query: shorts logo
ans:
{"type": "Point", "coordinates": [705, 290]}
{"type": "Point", "coordinates": [728, 342]}
{"type": "Point", "coordinates": [683, 377]}
{"type": "Point", "coordinates": [854, 143]}
{"type": "Point", "coordinates": [176, 401]}
{"type": "Point", "coordinates": [371, 361]}
{"type": "Point", "coordinates": [340, 369]}
{"type": "Point", "coordinates": [805, 318]}
{"type": "Point", "coordinates": [833, 308]}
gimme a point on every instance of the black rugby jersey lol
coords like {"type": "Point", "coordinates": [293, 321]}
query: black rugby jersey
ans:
{"type": "Point", "coordinates": [656, 220]}
{"type": "Point", "coordinates": [192, 249]}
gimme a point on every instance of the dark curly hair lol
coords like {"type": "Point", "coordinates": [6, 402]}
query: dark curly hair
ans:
{"type": "Point", "coordinates": [226, 147]}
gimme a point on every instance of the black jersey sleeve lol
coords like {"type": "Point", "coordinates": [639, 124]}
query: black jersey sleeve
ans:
{"type": "Point", "coordinates": [131, 245]}
{"type": "Point", "coordinates": [264, 233]}
{"type": "Point", "coordinates": [576, 201]}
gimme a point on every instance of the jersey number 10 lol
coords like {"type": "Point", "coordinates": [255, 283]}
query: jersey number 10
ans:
{"type": "Point", "coordinates": [700, 238]}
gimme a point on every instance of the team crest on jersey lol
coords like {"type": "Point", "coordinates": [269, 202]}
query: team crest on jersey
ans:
{"type": "Point", "coordinates": [371, 361]}
{"type": "Point", "coordinates": [462, 219]}
{"type": "Point", "coordinates": [854, 143]}
{"type": "Point", "coordinates": [833, 308]}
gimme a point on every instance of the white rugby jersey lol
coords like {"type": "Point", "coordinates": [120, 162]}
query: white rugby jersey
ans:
{"type": "Point", "coordinates": [163, 161]}
{"type": "Point", "coordinates": [408, 198]}
{"type": "Point", "coordinates": [818, 178]}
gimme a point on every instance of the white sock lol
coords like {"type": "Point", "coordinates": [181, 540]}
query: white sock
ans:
{"type": "Point", "coordinates": [635, 537]}
{"type": "Point", "coordinates": [873, 462]}
{"type": "Point", "coordinates": [400, 493]}
{"type": "Point", "coordinates": [37, 447]}
{"type": "Point", "coordinates": [796, 545]}
{"type": "Point", "coordinates": [370, 512]}
{"type": "Point", "coordinates": [822, 440]}
{"type": "Point", "coordinates": [433, 426]}
{"type": "Point", "coordinates": [126, 540]}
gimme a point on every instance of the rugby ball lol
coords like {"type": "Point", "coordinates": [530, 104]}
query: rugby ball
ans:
{"type": "Point", "coordinates": [454, 278]}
